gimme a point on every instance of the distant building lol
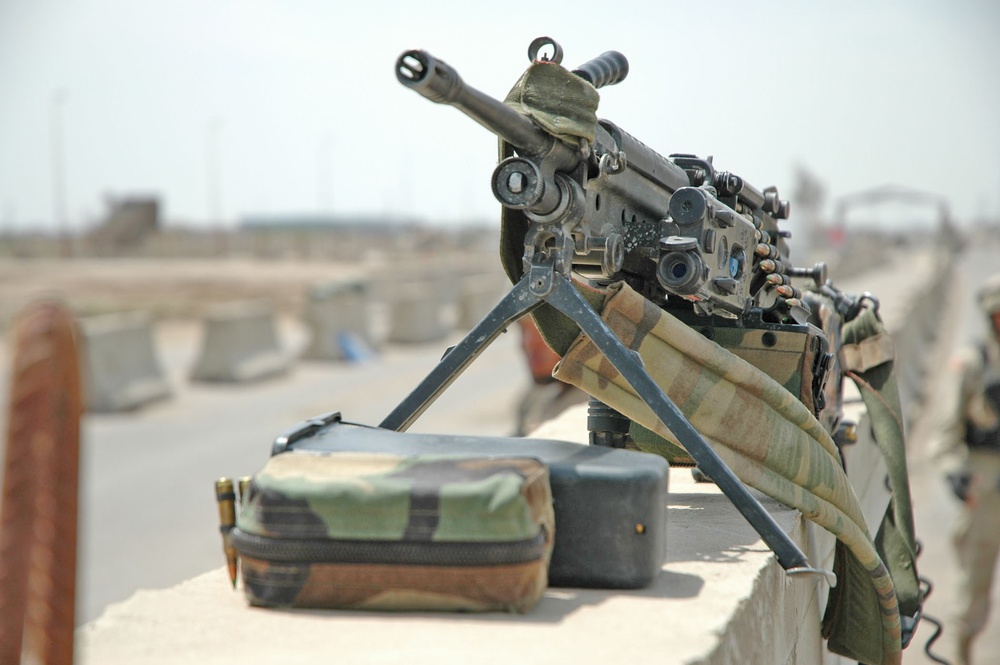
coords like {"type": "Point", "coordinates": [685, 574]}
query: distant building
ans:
{"type": "Point", "coordinates": [129, 223]}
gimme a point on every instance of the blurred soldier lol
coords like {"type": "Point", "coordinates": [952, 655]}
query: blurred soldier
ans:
{"type": "Point", "coordinates": [970, 451]}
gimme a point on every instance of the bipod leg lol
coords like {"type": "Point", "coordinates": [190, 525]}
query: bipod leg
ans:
{"type": "Point", "coordinates": [511, 307]}
{"type": "Point", "coordinates": [568, 301]}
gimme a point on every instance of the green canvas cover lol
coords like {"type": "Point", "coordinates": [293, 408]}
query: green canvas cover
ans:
{"type": "Point", "coordinates": [380, 531]}
{"type": "Point", "coordinates": [558, 101]}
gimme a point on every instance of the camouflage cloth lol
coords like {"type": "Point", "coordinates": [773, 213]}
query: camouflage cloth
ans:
{"type": "Point", "coordinates": [767, 436]}
{"type": "Point", "coordinates": [786, 355]}
{"type": "Point", "coordinates": [379, 531]}
{"type": "Point", "coordinates": [558, 101]}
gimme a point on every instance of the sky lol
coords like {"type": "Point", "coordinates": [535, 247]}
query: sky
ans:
{"type": "Point", "coordinates": [227, 109]}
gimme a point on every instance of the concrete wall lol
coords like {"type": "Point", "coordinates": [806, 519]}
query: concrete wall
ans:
{"type": "Point", "coordinates": [720, 598]}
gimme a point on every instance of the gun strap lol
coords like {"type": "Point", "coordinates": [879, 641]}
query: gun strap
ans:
{"type": "Point", "coordinates": [868, 353]}
{"type": "Point", "coordinates": [770, 440]}
{"type": "Point", "coordinates": [877, 384]}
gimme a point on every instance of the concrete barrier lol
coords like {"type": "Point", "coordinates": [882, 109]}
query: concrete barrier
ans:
{"type": "Point", "coordinates": [915, 331]}
{"type": "Point", "coordinates": [721, 599]}
{"type": "Point", "coordinates": [912, 288]}
{"type": "Point", "coordinates": [240, 343]}
{"type": "Point", "coordinates": [121, 368]}
{"type": "Point", "coordinates": [416, 314]}
{"type": "Point", "coordinates": [479, 294]}
{"type": "Point", "coordinates": [717, 569]}
{"type": "Point", "coordinates": [335, 310]}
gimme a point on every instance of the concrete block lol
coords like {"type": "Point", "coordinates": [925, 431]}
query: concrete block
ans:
{"type": "Point", "coordinates": [914, 330]}
{"type": "Point", "coordinates": [121, 368]}
{"type": "Point", "coordinates": [447, 284]}
{"type": "Point", "coordinates": [333, 310]}
{"type": "Point", "coordinates": [480, 293]}
{"type": "Point", "coordinates": [416, 314]}
{"type": "Point", "coordinates": [239, 344]}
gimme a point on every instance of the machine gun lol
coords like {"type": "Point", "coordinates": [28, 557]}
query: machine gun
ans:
{"type": "Point", "coordinates": [612, 208]}
{"type": "Point", "coordinates": [601, 204]}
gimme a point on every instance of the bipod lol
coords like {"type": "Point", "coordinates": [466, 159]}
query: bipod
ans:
{"type": "Point", "coordinates": [543, 284]}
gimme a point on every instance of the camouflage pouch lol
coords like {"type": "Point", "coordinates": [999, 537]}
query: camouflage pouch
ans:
{"type": "Point", "coordinates": [389, 532]}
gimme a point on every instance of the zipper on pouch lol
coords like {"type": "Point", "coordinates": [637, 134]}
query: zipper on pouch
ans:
{"type": "Point", "coordinates": [430, 553]}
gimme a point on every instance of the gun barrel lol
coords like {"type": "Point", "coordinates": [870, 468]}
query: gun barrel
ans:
{"type": "Point", "coordinates": [439, 82]}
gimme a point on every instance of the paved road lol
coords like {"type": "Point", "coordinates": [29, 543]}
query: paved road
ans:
{"type": "Point", "coordinates": [148, 518]}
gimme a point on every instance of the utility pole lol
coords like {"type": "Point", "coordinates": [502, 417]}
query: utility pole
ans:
{"type": "Point", "coordinates": [323, 173]}
{"type": "Point", "coordinates": [58, 146]}
{"type": "Point", "coordinates": [213, 169]}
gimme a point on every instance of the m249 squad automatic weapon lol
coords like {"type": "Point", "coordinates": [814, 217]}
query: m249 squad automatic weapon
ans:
{"type": "Point", "coordinates": [596, 202]}
{"type": "Point", "coordinates": [612, 208]}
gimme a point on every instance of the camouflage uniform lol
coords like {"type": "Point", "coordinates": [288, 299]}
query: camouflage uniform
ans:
{"type": "Point", "coordinates": [969, 445]}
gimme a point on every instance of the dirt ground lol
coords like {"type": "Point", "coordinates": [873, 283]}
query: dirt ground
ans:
{"type": "Point", "coordinates": [179, 288]}
{"type": "Point", "coordinates": [169, 288]}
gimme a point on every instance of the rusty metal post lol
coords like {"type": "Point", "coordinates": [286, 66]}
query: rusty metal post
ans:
{"type": "Point", "coordinates": [38, 516]}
